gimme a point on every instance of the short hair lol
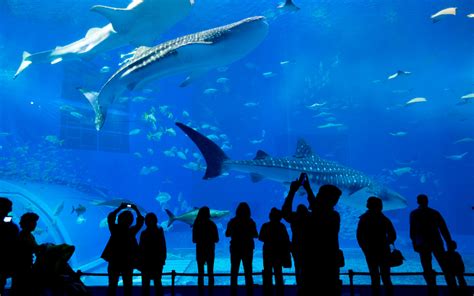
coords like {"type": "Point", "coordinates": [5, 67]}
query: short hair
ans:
{"type": "Point", "coordinates": [125, 218]}
{"type": "Point", "coordinates": [374, 203]}
{"type": "Point", "coordinates": [27, 219]}
{"type": "Point", "coordinates": [151, 219]}
{"type": "Point", "coordinates": [5, 202]}
{"type": "Point", "coordinates": [422, 199]}
{"type": "Point", "coordinates": [275, 215]}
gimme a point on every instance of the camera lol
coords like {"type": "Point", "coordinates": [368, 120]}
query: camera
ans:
{"type": "Point", "coordinates": [7, 219]}
{"type": "Point", "coordinates": [129, 205]}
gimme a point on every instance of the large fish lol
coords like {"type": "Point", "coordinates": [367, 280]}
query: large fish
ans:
{"type": "Point", "coordinates": [141, 23]}
{"type": "Point", "coordinates": [356, 184]}
{"type": "Point", "coordinates": [195, 54]}
{"type": "Point", "coordinates": [190, 216]}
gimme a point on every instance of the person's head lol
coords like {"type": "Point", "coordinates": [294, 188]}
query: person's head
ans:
{"type": "Point", "coordinates": [452, 246]}
{"type": "Point", "coordinates": [374, 204]}
{"type": "Point", "coordinates": [301, 210]}
{"type": "Point", "coordinates": [243, 211]}
{"type": "Point", "coordinates": [329, 195]}
{"type": "Point", "coordinates": [29, 221]}
{"type": "Point", "coordinates": [422, 200]}
{"type": "Point", "coordinates": [5, 207]}
{"type": "Point", "coordinates": [203, 214]}
{"type": "Point", "coordinates": [125, 219]}
{"type": "Point", "coordinates": [275, 215]}
{"type": "Point", "coordinates": [151, 220]}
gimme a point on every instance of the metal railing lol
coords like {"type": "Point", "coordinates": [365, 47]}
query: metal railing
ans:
{"type": "Point", "coordinates": [350, 273]}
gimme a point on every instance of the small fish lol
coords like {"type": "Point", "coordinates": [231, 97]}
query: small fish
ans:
{"type": "Point", "coordinates": [423, 179]}
{"type": "Point", "coordinates": [330, 125]}
{"type": "Point", "coordinates": [316, 106]}
{"type": "Point", "coordinates": [398, 134]}
{"type": "Point", "coordinates": [222, 80]}
{"type": "Point", "coordinates": [323, 114]}
{"type": "Point", "coordinates": [54, 140]}
{"type": "Point", "coordinates": [137, 155]}
{"type": "Point", "coordinates": [145, 171]}
{"type": "Point", "coordinates": [399, 73]}
{"type": "Point", "coordinates": [150, 151]}
{"type": "Point", "coordinates": [415, 101]}
{"type": "Point", "coordinates": [192, 166]}
{"type": "Point", "coordinates": [471, 15]}
{"type": "Point", "coordinates": [80, 220]}
{"type": "Point", "coordinates": [456, 156]}
{"type": "Point", "coordinates": [251, 104]}
{"type": "Point", "coordinates": [209, 91]}
{"type": "Point", "coordinates": [226, 146]}
{"type": "Point", "coordinates": [283, 63]}
{"type": "Point", "coordinates": [59, 209]}
{"type": "Point", "coordinates": [185, 113]}
{"type": "Point", "coordinates": [468, 96]}
{"type": "Point", "coordinates": [79, 210]}
{"type": "Point", "coordinates": [442, 13]}
{"type": "Point", "coordinates": [181, 155]}
{"type": "Point", "coordinates": [197, 155]}
{"type": "Point", "coordinates": [4, 134]}
{"type": "Point", "coordinates": [76, 114]}
{"type": "Point", "coordinates": [170, 131]}
{"type": "Point", "coordinates": [103, 223]}
{"type": "Point", "coordinates": [105, 69]}
{"type": "Point", "coordinates": [154, 136]}
{"type": "Point", "coordinates": [169, 153]}
{"type": "Point", "coordinates": [213, 137]}
{"type": "Point", "coordinates": [402, 171]}
{"type": "Point", "coordinates": [139, 99]}
{"type": "Point", "coordinates": [66, 108]}
{"type": "Point", "coordinates": [147, 91]}
{"type": "Point", "coordinates": [268, 74]}
{"type": "Point", "coordinates": [163, 197]}
{"type": "Point", "coordinates": [205, 125]}
{"type": "Point", "coordinates": [134, 132]}
{"type": "Point", "coordinates": [464, 140]}
{"type": "Point", "coordinates": [256, 141]}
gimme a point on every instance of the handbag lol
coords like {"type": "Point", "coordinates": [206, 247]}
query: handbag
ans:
{"type": "Point", "coordinates": [396, 257]}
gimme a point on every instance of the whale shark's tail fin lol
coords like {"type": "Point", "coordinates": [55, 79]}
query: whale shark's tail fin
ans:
{"type": "Point", "coordinates": [171, 217]}
{"type": "Point", "coordinates": [25, 62]}
{"type": "Point", "coordinates": [92, 97]}
{"type": "Point", "coordinates": [119, 17]}
{"type": "Point", "coordinates": [289, 5]}
{"type": "Point", "coordinates": [213, 154]}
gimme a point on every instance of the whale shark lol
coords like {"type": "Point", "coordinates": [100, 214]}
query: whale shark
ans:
{"type": "Point", "coordinates": [190, 216]}
{"type": "Point", "coordinates": [140, 23]}
{"type": "Point", "coordinates": [194, 53]}
{"type": "Point", "coordinates": [356, 185]}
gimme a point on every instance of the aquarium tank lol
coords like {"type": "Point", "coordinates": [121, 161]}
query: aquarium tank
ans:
{"type": "Point", "coordinates": [90, 98]}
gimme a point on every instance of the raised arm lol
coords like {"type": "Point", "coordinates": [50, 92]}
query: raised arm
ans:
{"type": "Point", "coordinates": [287, 208]}
{"type": "Point", "coordinates": [112, 217]}
{"type": "Point", "coordinates": [140, 220]}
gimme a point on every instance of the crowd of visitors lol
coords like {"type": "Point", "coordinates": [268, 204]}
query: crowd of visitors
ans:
{"type": "Point", "coordinates": [314, 246]}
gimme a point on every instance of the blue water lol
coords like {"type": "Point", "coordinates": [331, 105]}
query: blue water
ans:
{"type": "Point", "coordinates": [339, 54]}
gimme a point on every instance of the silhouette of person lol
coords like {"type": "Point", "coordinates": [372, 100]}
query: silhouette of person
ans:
{"type": "Point", "coordinates": [375, 234]}
{"type": "Point", "coordinates": [321, 247]}
{"type": "Point", "coordinates": [242, 230]}
{"type": "Point", "coordinates": [8, 236]}
{"type": "Point", "coordinates": [297, 222]}
{"type": "Point", "coordinates": [205, 236]}
{"type": "Point", "coordinates": [152, 254]}
{"type": "Point", "coordinates": [276, 251]}
{"type": "Point", "coordinates": [121, 251]}
{"type": "Point", "coordinates": [457, 268]}
{"type": "Point", "coordinates": [23, 281]}
{"type": "Point", "coordinates": [427, 226]}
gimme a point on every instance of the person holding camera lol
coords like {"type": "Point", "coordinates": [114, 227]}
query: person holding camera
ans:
{"type": "Point", "coordinates": [121, 251]}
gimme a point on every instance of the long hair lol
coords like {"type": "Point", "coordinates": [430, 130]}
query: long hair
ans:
{"type": "Point", "coordinates": [243, 211]}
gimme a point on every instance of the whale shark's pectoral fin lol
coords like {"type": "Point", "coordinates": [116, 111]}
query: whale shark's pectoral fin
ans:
{"type": "Point", "coordinates": [119, 17]}
{"type": "Point", "coordinates": [192, 77]}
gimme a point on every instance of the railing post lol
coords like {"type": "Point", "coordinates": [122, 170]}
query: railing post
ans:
{"type": "Point", "coordinates": [351, 282]}
{"type": "Point", "coordinates": [173, 281]}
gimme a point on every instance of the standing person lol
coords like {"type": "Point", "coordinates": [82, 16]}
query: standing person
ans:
{"type": "Point", "coordinates": [152, 254]}
{"type": "Point", "coordinates": [205, 236]}
{"type": "Point", "coordinates": [8, 236]}
{"type": "Point", "coordinates": [297, 222]}
{"type": "Point", "coordinates": [375, 234]}
{"type": "Point", "coordinates": [321, 247]}
{"type": "Point", "coordinates": [276, 252]}
{"type": "Point", "coordinates": [242, 231]}
{"type": "Point", "coordinates": [23, 282]}
{"type": "Point", "coordinates": [427, 226]}
{"type": "Point", "coordinates": [121, 251]}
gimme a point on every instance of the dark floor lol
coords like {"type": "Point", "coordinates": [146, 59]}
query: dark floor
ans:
{"type": "Point", "coordinates": [289, 290]}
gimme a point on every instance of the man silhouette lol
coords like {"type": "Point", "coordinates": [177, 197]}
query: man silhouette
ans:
{"type": "Point", "coordinates": [427, 231]}
{"type": "Point", "coordinates": [8, 236]}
